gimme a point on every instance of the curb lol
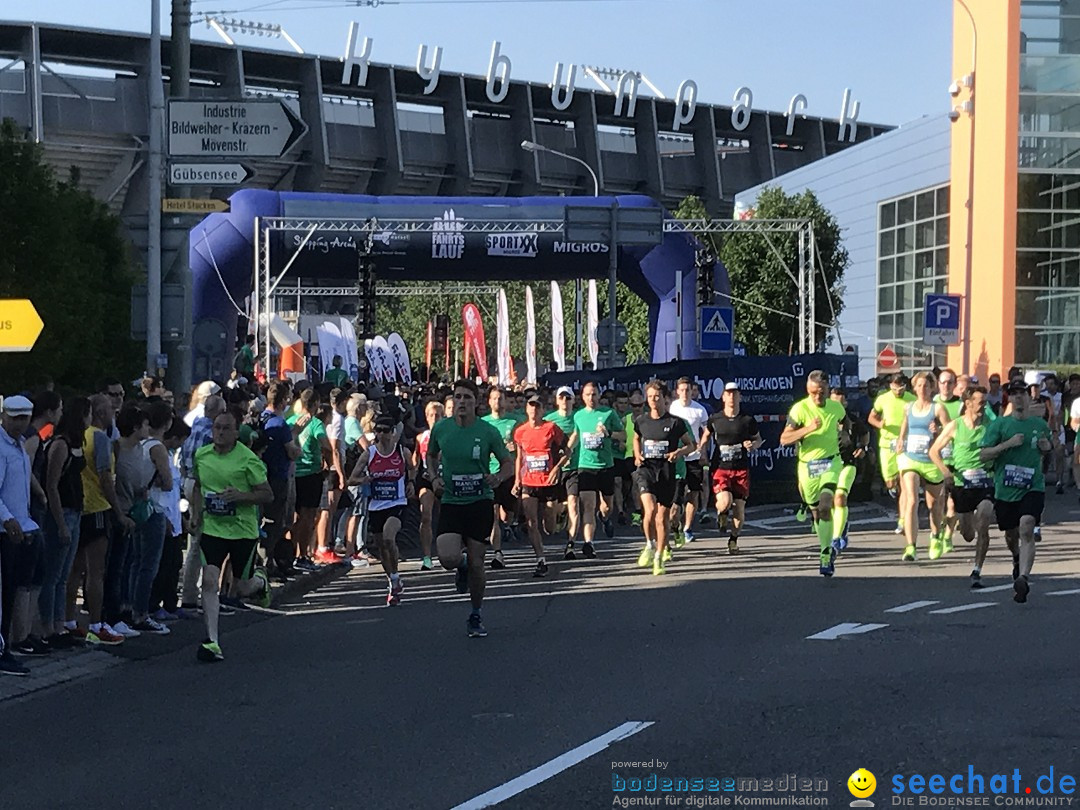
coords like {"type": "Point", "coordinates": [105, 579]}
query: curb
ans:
{"type": "Point", "coordinates": [308, 582]}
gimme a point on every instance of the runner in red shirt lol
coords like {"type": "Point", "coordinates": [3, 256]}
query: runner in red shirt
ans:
{"type": "Point", "coordinates": [541, 454]}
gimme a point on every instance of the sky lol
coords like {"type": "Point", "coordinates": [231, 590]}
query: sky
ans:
{"type": "Point", "coordinates": [895, 56]}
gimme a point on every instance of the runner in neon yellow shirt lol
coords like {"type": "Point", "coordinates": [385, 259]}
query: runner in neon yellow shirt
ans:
{"type": "Point", "coordinates": [886, 417]}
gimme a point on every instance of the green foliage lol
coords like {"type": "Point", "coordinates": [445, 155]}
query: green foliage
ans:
{"type": "Point", "coordinates": [64, 251]}
{"type": "Point", "coordinates": [767, 302]}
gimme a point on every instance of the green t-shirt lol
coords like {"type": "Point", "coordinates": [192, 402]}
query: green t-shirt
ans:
{"type": "Point", "coordinates": [825, 441]}
{"type": "Point", "coordinates": [1018, 470]}
{"type": "Point", "coordinates": [239, 468]}
{"type": "Point", "coordinates": [595, 451]}
{"type": "Point", "coordinates": [952, 406]}
{"type": "Point", "coordinates": [245, 360]}
{"type": "Point", "coordinates": [465, 454]}
{"type": "Point", "coordinates": [506, 425]}
{"type": "Point", "coordinates": [629, 423]}
{"type": "Point", "coordinates": [310, 461]}
{"type": "Point", "coordinates": [336, 377]}
{"type": "Point", "coordinates": [566, 425]}
{"type": "Point", "coordinates": [966, 444]}
{"type": "Point", "coordinates": [892, 410]}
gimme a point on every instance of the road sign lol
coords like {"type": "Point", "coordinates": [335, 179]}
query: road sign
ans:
{"type": "Point", "coordinates": [180, 205]}
{"type": "Point", "coordinates": [592, 223]}
{"type": "Point", "coordinates": [232, 128]}
{"type": "Point", "coordinates": [717, 329]}
{"type": "Point", "coordinates": [941, 320]}
{"type": "Point", "coordinates": [887, 359]}
{"type": "Point", "coordinates": [209, 174]}
{"type": "Point", "coordinates": [20, 325]}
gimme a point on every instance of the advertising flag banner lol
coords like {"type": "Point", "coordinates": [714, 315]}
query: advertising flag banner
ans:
{"type": "Point", "coordinates": [474, 338]}
{"type": "Point", "coordinates": [384, 358]}
{"type": "Point", "coordinates": [502, 339]}
{"type": "Point", "coordinates": [558, 336]}
{"type": "Point", "coordinates": [428, 347]}
{"type": "Point", "coordinates": [592, 324]}
{"type": "Point", "coordinates": [373, 362]}
{"type": "Point", "coordinates": [530, 338]}
{"type": "Point", "coordinates": [399, 353]}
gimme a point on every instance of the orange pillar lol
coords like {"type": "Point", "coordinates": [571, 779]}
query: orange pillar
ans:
{"type": "Point", "coordinates": [984, 184]}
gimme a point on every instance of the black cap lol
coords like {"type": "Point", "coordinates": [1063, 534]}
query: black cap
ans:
{"type": "Point", "coordinates": [1016, 386]}
{"type": "Point", "coordinates": [386, 422]}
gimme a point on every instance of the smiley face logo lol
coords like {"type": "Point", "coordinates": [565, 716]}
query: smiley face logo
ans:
{"type": "Point", "coordinates": [861, 783]}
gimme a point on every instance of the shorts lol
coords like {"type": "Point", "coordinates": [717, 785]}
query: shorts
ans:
{"type": "Point", "coordinates": [927, 470]}
{"type": "Point", "coordinates": [602, 481]}
{"type": "Point", "coordinates": [420, 483]}
{"type": "Point", "coordinates": [26, 559]}
{"type": "Point", "coordinates": [695, 478]}
{"type": "Point", "coordinates": [658, 481]}
{"type": "Point", "coordinates": [93, 527]}
{"type": "Point", "coordinates": [309, 491]}
{"type": "Point", "coordinates": [846, 479]}
{"type": "Point", "coordinates": [504, 495]}
{"type": "Point", "coordinates": [541, 493]}
{"type": "Point", "coordinates": [1010, 512]}
{"type": "Point", "coordinates": [887, 458]}
{"type": "Point", "coordinates": [473, 521]}
{"type": "Point", "coordinates": [811, 486]}
{"type": "Point", "coordinates": [967, 499]}
{"type": "Point", "coordinates": [737, 482]}
{"type": "Point", "coordinates": [377, 518]}
{"type": "Point", "coordinates": [330, 484]}
{"type": "Point", "coordinates": [624, 468]}
{"type": "Point", "coordinates": [215, 550]}
{"type": "Point", "coordinates": [570, 482]}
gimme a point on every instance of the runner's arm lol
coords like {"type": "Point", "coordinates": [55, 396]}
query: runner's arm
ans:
{"type": "Point", "coordinates": [901, 437]}
{"type": "Point", "coordinates": [704, 440]}
{"type": "Point", "coordinates": [876, 419]}
{"type": "Point", "coordinates": [939, 444]}
{"type": "Point", "coordinates": [992, 452]}
{"type": "Point", "coordinates": [793, 433]}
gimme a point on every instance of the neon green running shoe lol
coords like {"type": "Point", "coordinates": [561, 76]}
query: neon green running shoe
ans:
{"type": "Point", "coordinates": [263, 597]}
{"type": "Point", "coordinates": [909, 554]}
{"type": "Point", "coordinates": [801, 515]}
{"type": "Point", "coordinates": [646, 558]}
{"type": "Point", "coordinates": [658, 567]}
{"type": "Point", "coordinates": [946, 544]}
{"type": "Point", "coordinates": [935, 548]}
{"type": "Point", "coordinates": [210, 652]}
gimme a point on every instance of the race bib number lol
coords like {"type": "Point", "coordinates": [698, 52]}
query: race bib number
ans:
{"type": "Point", "coordinates": [593, 441]}
{"type": "Point", "coordinates": [818, 467]}
{"type": "Point", "coordinates": [467, 486]}
{"type": "Point", "coordinates": [384, 490]}
{"type": "Point", "coordinates": [917, 444]}
{"type": "Point", "coordinates": [655, 449]}
{"type": "Point", "coordinates": [1018, 477]}
{"type": "Point", "coordinates": [537, 464]}
{"type": "Point", "coordinates": [217, 506]}
{"type": "Point", "coordinates": [730, 452]}
{"type": "Point", "coordinates": [977, 479]}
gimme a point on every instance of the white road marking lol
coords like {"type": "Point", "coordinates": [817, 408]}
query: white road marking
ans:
{"type": "Point", "coordinates": [996, 588]}
{"type": "Point", "coordinates": [554, 767]}
{"type": "Point", "coordinates": [845, 629]}
{"type": "Point", "coordinates": [913, 606]}
{"type": "Point", "coordinates": [962, 608]}
{"type": "Point", "coordinates": [1070, 592]}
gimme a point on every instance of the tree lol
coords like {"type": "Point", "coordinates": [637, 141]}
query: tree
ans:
{"type": "Point", "coordinates": [65, 252]}
{"type": "Point", "coordinates": [764, 296]}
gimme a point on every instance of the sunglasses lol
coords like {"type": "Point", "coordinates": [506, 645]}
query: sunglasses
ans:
{"type": "Point", "coordinates": [384, 430]}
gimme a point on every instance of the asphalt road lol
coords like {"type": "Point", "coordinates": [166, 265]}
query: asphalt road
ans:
{"type": "Point", "coordinates": [342, 702]}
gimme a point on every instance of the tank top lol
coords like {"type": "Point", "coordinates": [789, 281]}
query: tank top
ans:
{"type": "Point", "coordinates": [70, 484]}
{"type": "Point", "coordinates": [971, 472]}
{"type": "Point", "coordinates": [387, 474]}
{"type": "Point", "coordinates": [919, 437]}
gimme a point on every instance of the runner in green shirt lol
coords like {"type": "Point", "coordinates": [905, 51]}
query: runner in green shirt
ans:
{"type": "Point", "coordinates": [505, 503]}
{"type": "Point", "coordinates": [886, 417]}
{"type": "Point", "coordinates": [813, 424]}
{"type": "Point", "coordinates": [563, 416]}
{"type": "Point", "coordinates": [949, 399]}
{"type": "Point", "coordinates": [595, 430]}
{"type": "Point", "coordinates": [464, 445]}
{"type": "Point", "coordinates": [1016, 444]}
{"type": "Point", "coordinates": [337, 376]}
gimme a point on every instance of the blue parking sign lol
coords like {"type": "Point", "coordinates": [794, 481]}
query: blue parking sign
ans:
{"type": "Point", "coordinates": [716, 331]}
{"type": "Point", "coordinates": [941, 320]}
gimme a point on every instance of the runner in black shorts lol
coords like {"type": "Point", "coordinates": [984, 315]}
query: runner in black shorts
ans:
{"type": "Point", "coordinates": [541, 455]}
{"type": "Point", "coordinates": [695, 416]}
{"type": "Point", "coordinates": [433, 411]}
{"type": "Point", "coordinates": [595, 430]}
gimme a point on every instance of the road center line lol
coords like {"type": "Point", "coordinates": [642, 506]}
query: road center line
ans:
{"type": "Point", "coordinates": [913, 606]}
{"type": "Point", "coordinates": [1063, 593]}
{"type": "Point", "coordinates": [555, 766]}
{"type": "Point", "coordinates": [962, 608]}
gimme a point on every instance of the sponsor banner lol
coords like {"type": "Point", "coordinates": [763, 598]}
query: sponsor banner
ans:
{"type": "Point", "coordinates": [474, 339]}
{"type": "Point", "coordinates": [383, 357]}
{"type": "Point", "coordinates": [530, 337]}
{"type": "Point", "coordinates": [526, 245]}
{"type": "Point", "coordinates": [502, 341]}
{"type": "Point", "coordinates": [428, 346]}
{"type": "Point", "coordinates": [558, 334]}
{"type": "Point", "coordinates": [374, 366]}
{"type": "Point", "coordinates": [592, 323]}
{"type": "Point", "coordinates": [399, 352]}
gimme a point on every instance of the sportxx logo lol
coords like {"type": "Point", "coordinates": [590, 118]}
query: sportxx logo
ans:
{"type": "Point", "coordinates": [513, 244]}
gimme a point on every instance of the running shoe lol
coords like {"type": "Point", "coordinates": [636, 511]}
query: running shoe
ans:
{"type": "Point", "coordinates": [425, 564]}
{"type": "Point", "coordinates": [587, 551]}
{"type": "Point", "coordinates": [62, 641]}
{"type": "Point", "coordinates": [122, 629]}
{"type": "Point", "coordinates": [224, 608]}
{"type": "Point", "coordinates": [1038, 533]}
{"type": "Point", "coordinates": [688, 536]}
{"type": "Point", "coordinates": [946, 545]}
{"type": "Point", "coordinates": [540, 570]}
{"type": "Point", "coordinates": [899, 527]}
{"type": "Point", "coordinates": [827, 562]}
{"type": "Point", "coordinates": [732, 546]}
{"type": "Point", "coordinates": [800, 516]}
{"type": "Point", "coordinates": [667, 554]}
{"type": "Point", "coordinates": [609, 527]}
{"type": "Point", "coordinates": [645, 559]}
{"type": "Point", "coordinates": [1021, 589]}
{"type": "Point", "coordinates": [358, 562]}
{"type": "Point", "coordinates": [304, 564]}
{"type": "Point", "coordinates": [394, 597]}
{"type": "Point", "coordinates": [148, 625]}
{"type": "Point", "coordinates": [210, 652]}
{"type": "Point", "coordinates": [838, 545]}
{"type": "Point", "coordinates": [104, 636]}
{"type": "Point", "coordinates": [635, 519]}
{"type": "Point", "coordinates": [569, 553]}
{"type": "Point", "coordinates": [935, 549]}
{"type": "Point", "coordinates": [162, 615]}
{"type": "Point", "coordinates": [9, 665]}
{"type": "Point", "coordinates": [909, 554]}
{"type": "Point", "coordinates": [263, 598]}
{"type": "Point", "coordinates": [497, 560]}
{"type": "Point", "coordinates": [1016, 567]}
{"type": "Point", "coordinates": [461, 577]}
{"type": "Point", "coordinates": [658, 566]}
{"type": "Point", "coordinates": [475, 626]}
{"type": "Point", "coordinates": [976, 580]}
{"type": "Point", "coordinates": [78, 632]}
{"type": "Point", "coordinates": [678, 539]}
{"type": "Point", "coordinates": [326, 557]}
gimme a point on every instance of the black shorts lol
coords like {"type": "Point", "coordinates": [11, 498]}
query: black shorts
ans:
{"type": "Point", "coordinates": [966, 500]}
{"type": "Point", "coordinates": [602, 481]}
{"type": "Point", "coordinates": [624, 468]}
{"type": "Point", "coordinates": [26, 560]}
{"type": "Point", "coordinates": [504, 496]}
{"type": "Point", "coordinates": [93, 527]}
{"type": "Point", "coordinates": [309, 491]}
{"type": "Point", "coordinates": [1010, 512]}
{"type": "Point", "coordinates": [420, 483]}
{"type": "Point", "coordinates": [658, 481]}
{"type": "Point", "coordinates": [215, 550]}
{"type": "Point", "coordinates": [473, 521]}
{"type": "Point", "coordinates": [695, 476]}
{"type": "Point", "coordinates": [377, 518]}
{"type": "Point", "coordinates": [570, 482]}
{"type": "Point", "coordinates": [541, 493]}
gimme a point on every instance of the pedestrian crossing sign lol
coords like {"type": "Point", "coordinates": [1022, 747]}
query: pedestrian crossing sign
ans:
{"type": "Point", "coordinates": [717, 328]}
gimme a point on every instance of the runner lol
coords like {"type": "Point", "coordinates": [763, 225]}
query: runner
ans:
{"type": "Point", "coordinates": [660, 438]}
{"type": "Point", "coordinates": [595, 429]}
{"type": "Point", "coordinates": [1016, 444]}
{"type": "Point", "coordinates": [854, 443]}
{"type": "Point", "coordinates": [385, 469]}
{"type": "Point", "coordinates": [695, 417]}
{"type": "Point", "coordinates": [922, 421]}
{"type": "Point", "coordinates": [624, 465]}
{"type": "Point", "coordinates": [949, 395]}
{"type": "Point", "coordinates": [505, 501]}
{"type": "Point", "coordinates": [734, 436]}
{"type": "Point", "coordinates": [968, 478]}
{"type": "Point", "coordinates": [464, 445]}
{"type": "Point", "coordinates": [563, 416]}
{"type": "Point", "coordinates": [886, 416]}
{"type": "Point", "coordinates": [541, 455]}
{"type": "Point", "coordinates": [814, 425]}
{"type": "Point", "coordinates": [637, 405]}
{"type": "Point", "coordinates": [230, 485]}
{"type": "Point", "coordinates": [433, 411]}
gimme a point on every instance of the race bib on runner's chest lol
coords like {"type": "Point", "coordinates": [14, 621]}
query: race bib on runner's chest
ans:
{"type": "Point", "coordinates": [467, 486]}
{"type": "Point", "coordinates": [593, 441]}
{"type": "Point", "coordinates": [977, 479]}
{"type": "Point", "coordinates": [655, 449]}
{"type": "Point", "coordinates": [217, 506]}
{"type": "Point", "coordinates": [918, 444]}
{"type": "Point", "coordinates": [730, 452]}
{"type": "Point", "coordinates": [818, 467]}
{"type": "Point", "coordinates": [537, 464]}
{"type": "Point", "coordinates": [1018, 477]}
{"type": "Point", "coordinates": [384, 490]}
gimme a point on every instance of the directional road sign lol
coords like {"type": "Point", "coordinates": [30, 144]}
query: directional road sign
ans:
{"type": "Point", "coordinates": [20, 325]}
{"type": "Point", "coordinates": [209, 174]}
{"type": "Point", "coordinates": [717, 329]}
{"type": "Point", "coordinates": [634, 226]}
{"type": "Point", "coordinates": [228, 128]}
{"type": "Point", "coordinates": [941, 320]}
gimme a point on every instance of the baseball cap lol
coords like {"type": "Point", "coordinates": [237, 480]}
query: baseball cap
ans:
{"type": "Point", "coordinates": [1016, 386]}
{"type": "Point", "coordinates": [731, 386]}
{"type": "Point", "coordinates": [208, 388]}
{"type": "Point", "coordinates": [565, 389]}
{"type": "Point", "coordinates": [385, 422]}
{"type": "Point", "coordinates": [534, 399]}
{"type": "Point", "coordinates": [18, 406]}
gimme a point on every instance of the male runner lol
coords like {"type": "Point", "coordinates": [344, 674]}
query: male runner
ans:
{"type": "Point", "coordinates": [949, 397]}
{"type": "Point", "coordinates": [464, 446]}
{"type": "Point", "coordinates": [660, 438]}
{"type": "Point", "coordinates": [969, 479]}
{"type": "Point", "coordinates": [637, 407]}
{"type": "Point", "coordinates": [563, 417]}
{"type": "Point", "coordinates": [230, 485]}
{"type": "Point", "coordinates": [624, 459]}
{"type": "Point", "coordinates": [505, 502]}
{"type": "Point", "coordinates": [887, 416]}
{"type": "Point", "coordinates": [813, 424]}
{"type": "Point", "coordinates": [854, 442]}
{"type": "Point", "coordinates": [433, 412]}
{"type": "Point", "coordinates": [734, 436]}
{"type": "Point", "coordinates": [695, 417]}
{"type": "Point", "coordinates": [1016, 444]}
{"type": "Point", "coordinates": [595, 429]}
{"type": "Point", "coordinates": [541, 455]}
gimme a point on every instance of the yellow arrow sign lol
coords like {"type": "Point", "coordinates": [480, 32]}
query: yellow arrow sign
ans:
{"type": "Point", "coordinates": [20, 325]}
{"type": "Point", "coordinates": [183, 205]}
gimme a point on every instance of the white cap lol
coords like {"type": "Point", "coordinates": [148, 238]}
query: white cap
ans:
{"type": "Point", "coordinates": [565, 389]}
{"type": "Point", "coordinates": [18, 406]}
{"type": "Point", "coordinates": [208, 388]}
{"type": "Point", "coordinates": [731, 386]}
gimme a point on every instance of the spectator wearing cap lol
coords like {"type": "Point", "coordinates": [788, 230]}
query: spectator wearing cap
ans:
{"type": "Point", "coordinates": [202, 392]}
